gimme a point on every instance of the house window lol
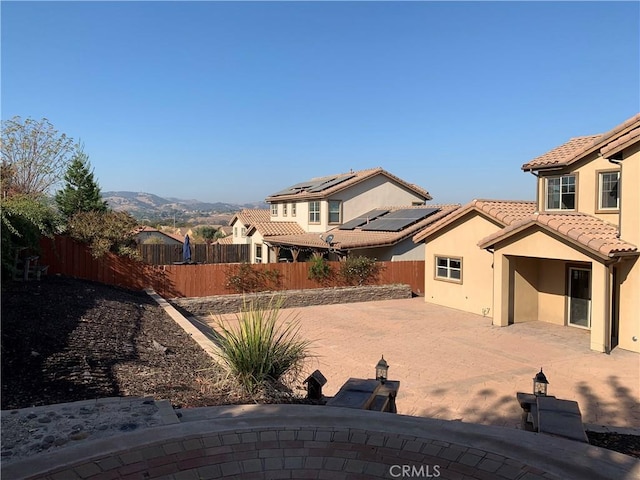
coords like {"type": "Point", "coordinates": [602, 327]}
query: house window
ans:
{"type": "Point", "coordinates": [561, 193]}
{"type": "Point", "coordinates": [284, 209]}
{"type": "Point", "coordinates": [258, 253]}
{"type": "Point", "coordinates": [293, 209]}
{"type": "Point", "coordinates": [335, 206]}
{"type": "Point", "coordinates": [608, 191]}
{"type": "Point", "coordinates": [235, 231]}
{"type": "Point", "coordinates": [314, 212]}
{"type": "Point", "coordinates": [243, 231]}
{"type": "Point", "coordinates": [449, 268]}
{"type": "Point", "coordinates": [274, 209]}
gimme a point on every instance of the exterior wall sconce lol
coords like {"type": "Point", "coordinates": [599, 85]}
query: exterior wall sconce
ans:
{"type": "Point", "coordinates": [382, 368]}
{"type": "Point", "coordinates": [540, 384]}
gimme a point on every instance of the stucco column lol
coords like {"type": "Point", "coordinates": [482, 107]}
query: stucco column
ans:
{"type": "Point", "coordinates": [501, 290]}
{"type": "Point", "coordinates": [599, 306]}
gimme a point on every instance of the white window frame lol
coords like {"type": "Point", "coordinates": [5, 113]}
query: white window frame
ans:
{"type": "Point", "coordinates": [284, 209]}
{"type": "Point", "coordinates": [339, 212]}
{"type": "Point", "coordinates": [274, 209]}
{"type": "Point", "coordinates": [243, 232]}
{"type": "Point", "coordinates": [293, 209]}
{"type": "Point", "coordinates": [601, 176]}
{"type": "Point", "coordinates": [564, 183]}
{"type": "Point", "coordinates": [314, 213]}
{"type": "Point", "coordinates": [258, 255]}
{"type": "Point", "coordinates": [447, 271]}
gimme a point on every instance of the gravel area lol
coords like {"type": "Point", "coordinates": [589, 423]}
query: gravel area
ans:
{"type": "Point", "coordinates": [29, 431]}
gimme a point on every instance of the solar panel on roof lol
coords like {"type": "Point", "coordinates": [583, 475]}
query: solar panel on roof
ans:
{"type": "Point", "coordinates": [399, 221]}
{"type": "Point", "coordinates": [293, 189]}
{"type": "Point", "coordinates": [319, 187]}
{"type": "Point", "coordinates": [362, 219]}
{"type": "Point", "coordinates": [415, 213]}
{"type": "Point", "coordinates": [384, 225]}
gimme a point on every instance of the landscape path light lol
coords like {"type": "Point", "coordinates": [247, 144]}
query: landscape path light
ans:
{"type": "Point", "coordinates": [381, 370]}
{"type": "Point", "coordinates": [540, 384]}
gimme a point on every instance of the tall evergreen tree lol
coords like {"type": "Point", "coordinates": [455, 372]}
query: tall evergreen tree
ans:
{"type": "Point", "coordinates": [81, 192]}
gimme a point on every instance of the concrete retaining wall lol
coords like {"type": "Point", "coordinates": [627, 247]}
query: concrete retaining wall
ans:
{"type": "Point", "coordinates": [222, 304]}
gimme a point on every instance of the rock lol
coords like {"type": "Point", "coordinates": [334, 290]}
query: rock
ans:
{"type": "Point", "coordinates": [78, 436]}
{"type": "Point", "coordinates": [44, 420]}
{"type": "Point", "coordinates": [159, 347]}
{"type": "Point", "coordinates": [128, 427]}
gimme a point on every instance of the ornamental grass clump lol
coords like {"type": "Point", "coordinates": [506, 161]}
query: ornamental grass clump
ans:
{"type": "Point", "coordinates": [263, 350]}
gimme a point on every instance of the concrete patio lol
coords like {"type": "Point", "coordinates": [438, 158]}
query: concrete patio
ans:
{"type": "Point", "coordinates": [455, 365]}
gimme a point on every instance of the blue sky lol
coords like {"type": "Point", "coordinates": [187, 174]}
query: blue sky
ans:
{"type": "Point", "coordinates": [233, 101]}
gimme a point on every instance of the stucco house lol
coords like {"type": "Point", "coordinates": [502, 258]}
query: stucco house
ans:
{"type": "Point", "coordinates": [369, 212]}
{"type": "Point", "coordinates": [384, 233]}
{"type": "Point", "coordinates": [242, 221]}
{"type": "Point", "coordinates": [571, 261]}
{"type": "Point", "coordinates": [145, 234]}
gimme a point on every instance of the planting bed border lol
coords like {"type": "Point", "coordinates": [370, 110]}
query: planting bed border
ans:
{"type": "Point", "coordinates": [222, 304]}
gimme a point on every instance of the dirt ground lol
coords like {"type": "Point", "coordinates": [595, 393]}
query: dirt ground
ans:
{"type": "Point", "coordinates": [65, 340]}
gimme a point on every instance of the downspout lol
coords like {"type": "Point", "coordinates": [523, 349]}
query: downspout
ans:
{"type": "Point", "coordinates": [537, 175]}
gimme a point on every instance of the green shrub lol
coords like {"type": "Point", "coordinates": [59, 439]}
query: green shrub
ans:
{"type": "Point", "coordinates": [24, 220]}
{"type": "Point", "coordinates": [320, 270]}
{"type": "Point", "coordinates": [260, 350]}
{"type": "Point", "coordinates": [105, 232]}
{"type": "Point", "coordinates": [247, 279]}
{"type": "Point", "coordinates": [359, 271]}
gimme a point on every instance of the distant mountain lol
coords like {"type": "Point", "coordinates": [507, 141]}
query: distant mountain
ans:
{"type": "Point", "coordinates": [147, 205]}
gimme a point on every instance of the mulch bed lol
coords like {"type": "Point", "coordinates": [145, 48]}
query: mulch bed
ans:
{"type": "Point", "coordinates": [65, 340]}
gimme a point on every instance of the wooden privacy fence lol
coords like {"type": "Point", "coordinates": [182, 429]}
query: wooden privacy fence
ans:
{"type": "Point", "coordinates": [67, 257]}
{"type": "Point", "coordinates": [158, 254]}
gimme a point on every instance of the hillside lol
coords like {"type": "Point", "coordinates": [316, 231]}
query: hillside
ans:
{"type": "Point", "coordinates": [151, 207]}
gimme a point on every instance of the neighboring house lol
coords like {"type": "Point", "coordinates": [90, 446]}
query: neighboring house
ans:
{"type": "Point", "coordinates": [322, 203]}
{"type": "Point", "coordinates": [226, 230]}
{"type": "Point", "coordinates": [574, 261]}
{"type": "Point", "coordinates": [262, 250]}
{"type": "Point", "coordinates": [384, 233]}
{"type": "Point", "coordinates": [242, 221]}
{"type": "Point", "coordinates": [340, 215]}
{"type": "Point", "coordinates": [153, 235]}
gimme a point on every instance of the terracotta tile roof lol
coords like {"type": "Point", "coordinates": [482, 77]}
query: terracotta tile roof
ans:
{"type": "Point", "coordinates": [146, 229]}
{"type": "Point", "coordinates": [357, 238]}
{"type": "Point", "coordinates": [621, 143]}
{"type": "Point", "coordinates": [249, 216]}
{"type": "Point", "coordinates": [504, 212]}
{"type": "Point", "coordinates": [268, 229]}
{"type": "Point", "coordinates": [355, 178]}
{"type": "Point", "coordinates": [228, 240]}
{"type": "Point", "coordinates": [577, 148]}
{"type": "Point", "coordinates": [588, 231]}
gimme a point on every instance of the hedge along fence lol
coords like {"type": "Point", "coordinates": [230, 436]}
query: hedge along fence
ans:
{"type": "Point", "coordinates": [68, 257]}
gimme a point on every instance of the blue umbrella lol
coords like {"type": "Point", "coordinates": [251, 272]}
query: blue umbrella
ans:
{"type": "Point", "coordinates": [186, 250]}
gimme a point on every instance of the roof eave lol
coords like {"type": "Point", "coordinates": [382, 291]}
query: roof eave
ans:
{"type": "Point", "coordinates": [533, 223]}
